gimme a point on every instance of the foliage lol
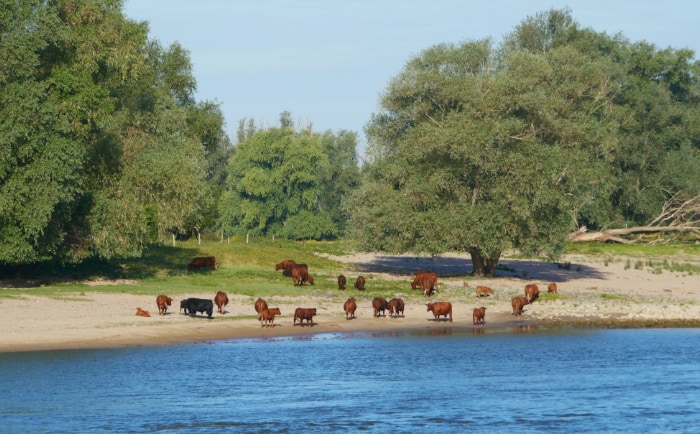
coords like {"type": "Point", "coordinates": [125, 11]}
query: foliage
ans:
{"type": "Point", "coordinates": [289, 184]}
{"type": "Point", "coordinates": [481, 150]}
{"type": "Point", "coordinates": [101, 140]}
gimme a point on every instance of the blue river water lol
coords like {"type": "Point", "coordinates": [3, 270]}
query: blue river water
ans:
{"type": "Point", "coordinates": [445, 380]}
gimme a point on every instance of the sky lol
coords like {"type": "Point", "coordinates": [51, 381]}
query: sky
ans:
{"type": "Point", "coordinates": [327, 62]}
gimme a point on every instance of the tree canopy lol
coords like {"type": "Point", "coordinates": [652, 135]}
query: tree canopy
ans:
{"type": "Point", "coordinates": [102, 145]}
{"type": "Point", "coordinates": [289, 183]}
{"type": "Point", "coordinates": [483, 149]}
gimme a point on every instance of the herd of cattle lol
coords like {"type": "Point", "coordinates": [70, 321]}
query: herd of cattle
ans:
{"type": "Point", "coordinates": [427, 282]}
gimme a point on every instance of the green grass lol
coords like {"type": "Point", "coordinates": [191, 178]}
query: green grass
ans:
{"type": "Point", "coordinates": [248, 269]}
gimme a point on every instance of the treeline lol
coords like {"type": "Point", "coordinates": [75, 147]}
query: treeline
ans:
{"type": "Point", "coordinates": [477, 147]}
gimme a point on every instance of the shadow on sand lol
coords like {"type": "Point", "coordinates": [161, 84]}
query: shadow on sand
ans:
{"type": "Point", "coordinates": [457, 266]}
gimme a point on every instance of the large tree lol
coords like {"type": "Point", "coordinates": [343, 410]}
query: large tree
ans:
{"type": "Point", "coordinates": [482, 151]}
{"type": "Point", "coordinates": [102, 144]}
{"type": "Point", "coordinates": [289, 182]}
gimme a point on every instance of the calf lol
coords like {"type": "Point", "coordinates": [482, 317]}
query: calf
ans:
{"type": "Point", "coordinates": [483, 291]}
{"type": "Point", "coordinates": [341, 282]}
{"type": "Point", "coordinates": [202, 305]}
{"type": "Point", "coordinates": [360, 283]}
{"type": "Point", "coordinates": [531, 292]}
{"type": "Point", "coordinates": [203, 261]}
{"type": "Point", "coordinates": [141, 312]}
{"type": "Point", "coordinates": [163, 301]}
{"type": "Point", "coordinates": [479, 316]}
{"type": "Point", "coordinates": [440, 308]}
{"type": "Point", "coordinates": [268, 316]}
{"type": "Point", "coordinates": [260, 305]}
{"type": "Point", "coordinates": [396, 307]}
{"type": "Point", "coordinates": [380, 305]}
{"type": "Point", "coordinates": [552, 287]}
{"type": "Point", "coordinates": [304, 313]}
{"type": "Point", "coordinates": [221, 300]}
{"type": "Point", "coordinates": [349, 307]}
{"type": "Point", "coordinates": [518, 303]}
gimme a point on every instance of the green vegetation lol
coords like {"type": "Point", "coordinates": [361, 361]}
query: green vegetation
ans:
{"type": "Point", "coordinates": [484, 148]}
{"type": "Point", "coordinates": [105, 154]}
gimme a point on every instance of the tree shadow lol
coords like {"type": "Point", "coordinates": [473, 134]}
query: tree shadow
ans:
{"type": "Point", "coordinates": [454, 266]}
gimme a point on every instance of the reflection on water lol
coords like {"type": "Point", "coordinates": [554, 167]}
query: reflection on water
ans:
{"type": "Point", "coordinates": [400, 381]}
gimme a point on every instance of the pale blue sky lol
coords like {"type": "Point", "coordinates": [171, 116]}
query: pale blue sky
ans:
{"type": "Point", "coordinates": [328, 61]}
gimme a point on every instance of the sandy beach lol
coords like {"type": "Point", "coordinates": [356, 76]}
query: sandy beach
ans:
{"type": "Point", "coordinates": [593, 291]}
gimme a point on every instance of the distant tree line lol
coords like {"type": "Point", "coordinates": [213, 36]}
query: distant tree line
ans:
{"type": "Point", "coordinates": [477, 147]}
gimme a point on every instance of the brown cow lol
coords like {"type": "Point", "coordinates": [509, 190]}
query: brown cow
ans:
{"type": "Point", "coordinates": [141, 312]}
{"type": "Point", "coordinates": [419, 275]}
{"type": "Point", "coordinates": [268, 316]}
{"type": "Point", "coordinates": [300, 275]}
{"type": "Point", "coordinates": [531, 292]}
{"type": "Point", "coordinates": [163, 301]}
{"type": "Point", "coordinates": [304, 313]}
{"type": "Point", "coordinates": [428, 283]}
{"type": "Point", "coordinates": [341, 282]}
{"type": "Point", "coordinates": [396, 307]}
{"type": "Point", "coordinates": [203, 261]}
{"type": "Point", "coordinates": [479, 316]}
{"type": "Point", "coordinates": [288, 269]}
{"type": "Point", "coordinates": [483, 291]}
{"type": "Point", "coordinates": [440, 308]}
{"type": "Point", "coordinates": [379, 305]}
{"type": "Point", "coordinates": [284, 264]}
{"type": "Point", "coordinates": [552, 287]}
{"type": "Point", "coordinates": [350, 307]}
{"type": "Point", "coordinates": [360, 283]}
{"type": "Point", "coordinates": [518, 303]}
{"type": "Point", "coordinates": [221, 300]}
{"type": "Point", "coordinates": [260, 305]}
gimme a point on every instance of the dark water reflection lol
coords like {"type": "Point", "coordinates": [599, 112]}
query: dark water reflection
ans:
{"type": "Point", "coordinates": [448, 379]}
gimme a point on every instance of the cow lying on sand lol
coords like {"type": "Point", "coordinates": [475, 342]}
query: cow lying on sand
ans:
{"type": "Point", "coordinates": [141, 312]}
{"type": "Point", "coordinates": [483, 291]}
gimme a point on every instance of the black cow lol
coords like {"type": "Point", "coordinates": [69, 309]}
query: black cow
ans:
{"type": "Point", "coordinates": [202, 305]}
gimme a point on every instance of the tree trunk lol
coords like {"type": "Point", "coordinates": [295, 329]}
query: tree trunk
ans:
{"type": "Point", "coordinates": [482, 265]}
{"type": "Point", "coordinates": [616, 235]}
